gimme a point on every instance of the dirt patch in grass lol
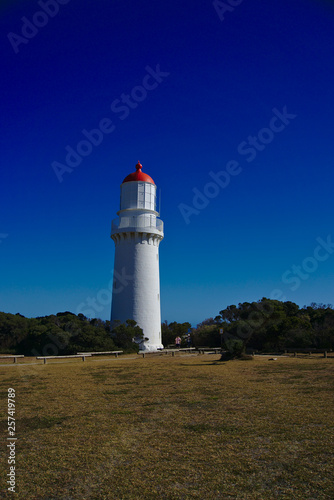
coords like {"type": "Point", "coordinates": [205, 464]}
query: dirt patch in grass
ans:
{"type": "Point", "coordinates": [43, 422]}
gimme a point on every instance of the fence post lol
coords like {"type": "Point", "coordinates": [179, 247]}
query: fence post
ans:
{"type": "Point", "coordinates": [325, 354]}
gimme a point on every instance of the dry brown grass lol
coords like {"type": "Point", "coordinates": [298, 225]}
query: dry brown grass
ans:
{"type": "Point", "coordinates": [187, 427]}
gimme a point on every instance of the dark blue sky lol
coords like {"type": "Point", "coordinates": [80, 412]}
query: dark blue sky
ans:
{"type": "Point", "coordinates": [229, 109]}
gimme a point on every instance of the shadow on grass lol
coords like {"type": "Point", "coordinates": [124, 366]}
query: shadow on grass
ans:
{"type": "Point", "coordinates": [122, 412]}
{"type": "Point", "coordinates": [116, 392]}
{"type": "Point", "coordinates": [220, 428]}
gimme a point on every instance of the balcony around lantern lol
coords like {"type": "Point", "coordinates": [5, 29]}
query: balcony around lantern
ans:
{"type": "Point", "coordinates": [143, 224]}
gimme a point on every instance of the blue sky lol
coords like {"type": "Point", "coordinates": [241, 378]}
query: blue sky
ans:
{"type": "Point", "coordinates": [242, 94]}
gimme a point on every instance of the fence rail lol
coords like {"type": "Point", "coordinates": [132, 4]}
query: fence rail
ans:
{"type": "Point", "coordinates": [14, 357]}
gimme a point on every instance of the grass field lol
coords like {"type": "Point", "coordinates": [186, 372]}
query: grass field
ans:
{"type": "Point", "coordinates": [171, 427]}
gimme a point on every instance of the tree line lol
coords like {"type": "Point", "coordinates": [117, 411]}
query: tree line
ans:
{"type": "Point", "coordinates": [65, 333]}
{"type": "Point", "coordinates": [270, 325]}
{"type": "Point", "coordinates": [265, 325]}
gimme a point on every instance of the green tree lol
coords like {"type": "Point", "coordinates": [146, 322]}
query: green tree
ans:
{"type": "Point", "coordinates": [128, 335]}
{"type": "Point", "coordinates": [206, 334]}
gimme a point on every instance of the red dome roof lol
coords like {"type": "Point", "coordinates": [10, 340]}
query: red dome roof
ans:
{"type": "Point", "coordinates": [138, 175]}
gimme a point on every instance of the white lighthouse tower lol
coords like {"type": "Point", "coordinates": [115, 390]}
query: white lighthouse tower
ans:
{"type": "Point", "coordinates": [137, 233]}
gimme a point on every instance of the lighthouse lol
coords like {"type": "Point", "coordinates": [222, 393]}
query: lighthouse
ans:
{"type": "Point", "coordinates": [137, 233]}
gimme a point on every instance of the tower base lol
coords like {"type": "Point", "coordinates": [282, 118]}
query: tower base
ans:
{"type": "Point", "coordinates": [147, 347]}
